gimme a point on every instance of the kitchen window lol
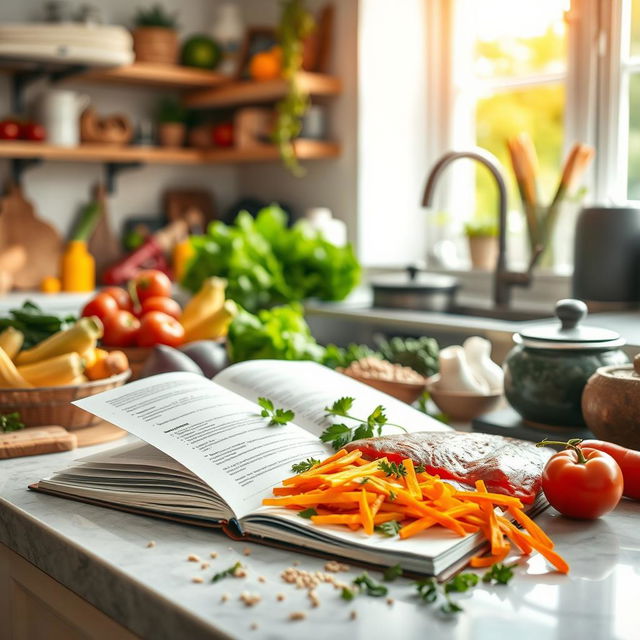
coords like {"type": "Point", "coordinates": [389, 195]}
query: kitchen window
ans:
{"type": "Point", "coordinates": [562, 70]}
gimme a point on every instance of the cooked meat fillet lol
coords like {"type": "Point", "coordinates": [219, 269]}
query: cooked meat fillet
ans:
{"type": "Point", "coordinates": [509, 466]}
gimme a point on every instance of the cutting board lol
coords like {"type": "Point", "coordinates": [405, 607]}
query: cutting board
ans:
{"type": "Point", "coordinates": [103, 245]}
{"type": "Point", "coordinates": [19, 225]}
{"type": "Point", "coordinates": [34, 441]}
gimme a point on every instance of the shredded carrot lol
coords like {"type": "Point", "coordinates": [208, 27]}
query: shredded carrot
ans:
{"type": "Point", "coordinates": [346, 490]}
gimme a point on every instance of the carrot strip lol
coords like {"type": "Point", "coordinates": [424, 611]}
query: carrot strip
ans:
{"type": "Point", "coordinates": [433, 491]}
{"type": "Point", "coordinates": [487, 561]}
{"type": "Point", "coordinates": [375, 507]}
{"type": "Point", "coordinates": [527, 523]}
{"type": "Point", "coordinates": [515, 535]}
{"type": "Point", "coordinates": [365, 513]}
{"type": "Point", "coordinates": [336, 518]}
{"type": "Point", "coordinates": [379, 518]}
{"type": "Point", "coordinates": [495, 498]}
{"type": "Point", "coordinates": [554, 558]}
{"type": "Point", "coordinates": [351, 474]}
{"type": "Point", "coordinates": [411, 480]}
{"type": "Point", "coordinates": [415, 527]}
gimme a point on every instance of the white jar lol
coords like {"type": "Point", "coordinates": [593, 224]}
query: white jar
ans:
{"type": "Point", "coordinates": [333, 230]}
{"type": "Point", "coordinates": [229, 32]}
{"type": "Point", "coordinates": [60, 114]}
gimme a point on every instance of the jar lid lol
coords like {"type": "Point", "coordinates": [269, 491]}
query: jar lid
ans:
{"type": "Point", "coordinates": [415, 281]}
{"type": "Point", "coordinates": [569, 334]}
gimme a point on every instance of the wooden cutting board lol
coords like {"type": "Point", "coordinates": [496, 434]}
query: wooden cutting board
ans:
{"type": "Point", "coordinates": [19, 225]}
{"type": "Point", "coordinates": [36, 440]}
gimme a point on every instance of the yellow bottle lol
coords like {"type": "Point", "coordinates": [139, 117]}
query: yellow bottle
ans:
{"type": "Point", "coordinates": [78, 268]}
{"type": "Point", "coordinates": [182, 253]}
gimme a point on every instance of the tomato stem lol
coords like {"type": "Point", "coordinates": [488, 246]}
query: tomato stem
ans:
{"type": "Point", "coordinates": [573, 443]}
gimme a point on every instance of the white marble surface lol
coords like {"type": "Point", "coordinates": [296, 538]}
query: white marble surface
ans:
{"type": "Point", "coordinates": [102, 555]}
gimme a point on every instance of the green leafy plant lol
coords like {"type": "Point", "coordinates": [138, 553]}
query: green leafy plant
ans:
{"type": "Point", "coordinates": [391, 573]}
{"type": "Point", "coordinates": [499, 573]}
{"type": "Point", "coordinates": [393, 469]}
{"type": "Point", "coordinates": [305, 465]}
{"type": "Point", "coordinates": [277, 416]}
{"type": "Point", "coordinates": [155, 16]}
{"type": "Point", "coordinates": [389, 528]}
{"type": "Point", "coordinates": [296, 23]}
{"type": "Point", "coordinates": [429, 592]}
{"type": "Point", "coordinates": [11, 422]}
{"type": "Point", "coordinates": [171, 111]}
{"type": "Point", "coordinates": [420, 354]}
{"type": "Point", "coordinates": [226, 572]}
{"type": "Point", "coordinates": [307, 513]}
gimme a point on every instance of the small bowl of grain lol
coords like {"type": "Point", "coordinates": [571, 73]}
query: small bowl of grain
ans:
{"type": "Point", "coordinates": [400, 382]}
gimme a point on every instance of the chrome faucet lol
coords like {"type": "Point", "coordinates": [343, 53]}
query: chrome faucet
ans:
{"type": "Point", "coordinates": [503, 279]}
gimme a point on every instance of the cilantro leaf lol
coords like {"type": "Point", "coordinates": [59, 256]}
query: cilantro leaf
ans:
{"type": "Point", "coordinates": [363, 431]}
{"type": "Point", "coordinates": [267, 405]}
{"type": "Point", "coordinates": [304, 465]}
{"type": "Point", "coordinates": [450, 607]}
{"type": "Point", "coordinates": [307, 513]}
{"type": "Point", "coordinates": [393, 469]}
{"type": "Point", "coordinates": [391, 573]}
{"type": "Point", "coordinates": [392, 495]}
{"type": "Point", "coordinates": [227, 572]}
{"type": "Point", "coordinates": [427, 589]}
{"type": "Point", "coordinates": [420, 469]}
{"type": "Point", "coordinates": [340, 407]}
{"type": "Point", "coordinates": [499, 573]}
{"type": "Point", "coordinates": [277, 416]}
{"type": "Point", "coordinates": [347, 594]}
{"type": "Point", "coordinates": [370, 586]}
{"type": "Point", "coordinates": [389, 529]}
{"type": "Point", "coordinates": [461, 583]}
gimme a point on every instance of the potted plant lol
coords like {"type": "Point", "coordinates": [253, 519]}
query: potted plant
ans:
{"type": "Point", "coordinates": [483, 244]}
{"type": "Point", "coordinates": [155, 37]}
{"type": "Point", "coordinates": [171, 123]}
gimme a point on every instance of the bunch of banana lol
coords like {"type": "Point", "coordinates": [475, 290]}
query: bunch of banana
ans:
{"type": "Point", "coordinates": [59, 360]}
{"type": "Point", "coordinates": [207, 315]}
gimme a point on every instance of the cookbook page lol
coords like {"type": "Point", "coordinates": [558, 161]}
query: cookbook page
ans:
{"type": "Point", "coordinates": [307, 388]}
{"type": "Point", "coordinates": [215, 433]}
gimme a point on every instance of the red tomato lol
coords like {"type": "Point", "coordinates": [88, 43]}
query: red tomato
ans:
{"type": "Point", "coordinates": [160, 303]}
{"type": "Point", "coordinates": [152, 283]}
{"type": "Point", "coordinates": [9, 130]}
{"type": "Point", "coordinates": [121, 296]}
{"type": "Point", "coordinates": [222, 134]}
{"type": "Point", "coordinates": [102, 305]}
{"type": "Point", "coordinates": [33, 131]}
{"type": "Point", "coordinates": [628, 460]}
{"type": "Point", "coordinates": [121, 329]}
{"type": "Point", "coordinates": [582, 483]}
{"type": "Point", "coordinates": [159, 328]}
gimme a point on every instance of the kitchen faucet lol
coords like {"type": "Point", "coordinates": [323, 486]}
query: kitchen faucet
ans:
{"type": "Point", "coordinates": [503, 279]}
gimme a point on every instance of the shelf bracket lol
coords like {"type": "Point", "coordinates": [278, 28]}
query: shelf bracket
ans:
{"type": "Point", "coordinates": [112, 170]}
{"type": "Point", "coordinates": [20, 165]}
{"type": "Point", "coordinates": [20, 80]}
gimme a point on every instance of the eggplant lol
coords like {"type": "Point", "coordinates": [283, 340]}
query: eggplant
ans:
{"type": "Point", "coordinates": [164, 359]}
{"type": "Point", "coordinates": [209, 355]}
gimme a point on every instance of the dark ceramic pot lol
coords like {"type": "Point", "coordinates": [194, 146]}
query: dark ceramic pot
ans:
{"type": "Point", "coordinates": [547, 370]}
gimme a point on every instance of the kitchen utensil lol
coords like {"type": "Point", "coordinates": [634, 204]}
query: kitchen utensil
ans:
{"type": "Point", "coordinates": [60, 114]}
{"type": "Point", "coordinates": [607, 255]}
{"type": "Point", "coordinates": [19, 225]}
{"type": "Point", "coordinates": [115, 129]}
{"type": "Point", "coordinates": [548, 368]}
{"type": "Point", "coordinates": [177, 203]}
{"type": "Point", "coordinates": [40, 406]}
{"type": "Point", "coordinates": [611, 404]}
{"type": "Point", "coordinates": [415, 290]}
{"type": "Point", "coordinates": [461, 406]}
{"type": "Point", "coordinates": [35, 441]}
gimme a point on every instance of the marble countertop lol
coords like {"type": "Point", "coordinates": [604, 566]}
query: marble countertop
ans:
{"type": "Point", "coordinates": [102, 556]}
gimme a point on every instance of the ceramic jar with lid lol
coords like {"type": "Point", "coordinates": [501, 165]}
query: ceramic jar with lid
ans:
{"type": "Point", "coordinates": [611, 404]}
{"type": "Point", "coordinates": [547, 370]}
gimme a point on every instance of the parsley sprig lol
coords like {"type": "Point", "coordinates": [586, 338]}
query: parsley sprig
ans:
{"type": "Point", "coordinates": [227, 572]}
{"type": "Point", "coordinates": [277, 416]}
{"type": "Point", "coordinates": [304, 465]}
{"type": "Point", "coordinates": [499, 573]}
{"type": "Point", "coordinates": [364, 583]}
{"type": "Point", "coordinates": [11, 422]}
{"type": "Point", "coordinates": [339, 434]}
{"type": "Point", "coordinates": [392, 469]}
{"type": "Point", "coordinates": [389, 528]}
{"type": "Point", "coordinates": [429, 592]}
{"type": "Point", "coordinates": [307, 513]}
{"type": "Point", "coordinates": [391, 573]}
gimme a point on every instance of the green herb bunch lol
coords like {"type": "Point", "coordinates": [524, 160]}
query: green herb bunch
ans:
{"type": "Point", "coordinates": [155, 16]}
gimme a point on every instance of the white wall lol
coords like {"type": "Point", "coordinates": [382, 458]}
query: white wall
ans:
{"type": "Point", "coordinates": [58, 189]}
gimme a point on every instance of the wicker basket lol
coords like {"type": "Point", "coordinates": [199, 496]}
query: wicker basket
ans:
{"type": "Point", "coordinates": [43, 406]}
{"type": "Point", "coordinates": [137, 356]}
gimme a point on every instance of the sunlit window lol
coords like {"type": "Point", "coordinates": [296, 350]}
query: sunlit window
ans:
{"type": "Point", "coordinates": [631, 83]}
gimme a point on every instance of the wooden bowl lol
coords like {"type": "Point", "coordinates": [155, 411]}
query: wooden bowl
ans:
{"type": "Point", "coordinates": [137, 356]}
{"type": "Point", "coordinates": [408, 392]}
{"type": "Point", "coordinates": [460, 406]}
{"type": "Point", "coordinates": [41, 406]}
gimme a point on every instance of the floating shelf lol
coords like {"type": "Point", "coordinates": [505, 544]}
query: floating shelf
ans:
{"type": "Point", "coordinates": [170, 76]}
{"type": "Point", "coordinates": [244, 92]}
{"type": "Point", "coordinates": [305, 150]}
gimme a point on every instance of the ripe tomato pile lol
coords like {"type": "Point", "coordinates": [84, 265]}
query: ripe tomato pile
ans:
{"type": "Point", "coordinates": [144, 316]}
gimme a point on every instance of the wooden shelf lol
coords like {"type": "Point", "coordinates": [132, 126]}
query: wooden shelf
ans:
{"type": "Point", "coordinates": [305, 149]}
{"type": "Point", "coordinates": [251, 92]}
{"type": "Point", "coordinates": [156, 75]}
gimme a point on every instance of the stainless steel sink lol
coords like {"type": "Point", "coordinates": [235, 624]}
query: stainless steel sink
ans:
{"type": "Point", "coordinates": [512, 315]}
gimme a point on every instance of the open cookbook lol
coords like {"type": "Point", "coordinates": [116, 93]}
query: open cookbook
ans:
{"type": "Point", "coordinates": [208, 457]}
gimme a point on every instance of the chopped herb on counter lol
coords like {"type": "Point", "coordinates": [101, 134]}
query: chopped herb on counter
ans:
{"type": "Point", "coordinates": [389, 528]}
{"type": "Point", "coordinates": [372, 588]}
{"type": "Point", "coordinates": [429, 592]}
{"type": "Point", "coordinates": [11, 422]}
{"type": "Point", "coordinates": [499, 573]}
{"type": "Point", "coordinates": [461, 583]}
{"type": "Point", "coordinates": [391, 573]}
{"type": "Point", "coordinates": [347, 594]}
{"type": "Point", "coordinates": [307, 513]}
{"type": "Point", "coordinates": [277, 416]}
{"type": "Point", "coordinates": [227, 572]}
{"type": "Point", "coordinates": [305, 465]}
{"type": "Point", "coordinates": [427, 589]}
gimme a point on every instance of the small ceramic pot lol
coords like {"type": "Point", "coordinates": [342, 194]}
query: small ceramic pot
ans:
{"type": "Point", "coordinates": [172, 134]}
{"type": "Point", "coordinates": [611, 404]}
{"type": "Point", "coordinates": [155, 44]}
{"type": "Point", "coordinates": [547, 370]}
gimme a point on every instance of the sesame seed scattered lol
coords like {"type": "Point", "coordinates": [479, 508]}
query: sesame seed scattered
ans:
{"type": "Point", "coordinates": [213, 554]}
{"type": "Point", "coordinates": [224, 597]}
{"type": "Point", "coordinates": [296, 563]}
{"type": "Point", "coordinates": [151, 543]}
{"type": "Point", "coordinates": [204, 565]}
{"type": "Point", "coordinates": [240, 572]}
{"type": "Point", "coordinates": [250, 599]}
{"type": "Point", "coordinates": [280, 597]}
{"type": "Point", "coordinates": [334, 566]}
{"type": "Point", "coordinates": [390, 601]}
{"type": "Point", "coordinates": [192, 557]}
{"type": "Point", "coordinates": [353, 615]}
{"type": "Point", "coordinates": [197, 579]}
{"type": "Point", "coordinates": [313, 598]}
{"type": "Point", "coordinates": [246, 551]}
{"type": "Point", "coordinates": [297, 615]}
{"type": "Point", "coordinates": [261, 579]}
{"type": "Point", "coordinates": [254, 626]}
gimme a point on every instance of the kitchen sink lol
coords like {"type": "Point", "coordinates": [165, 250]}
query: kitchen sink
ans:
{"type": "Point", "coordinates": [513, 315]}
